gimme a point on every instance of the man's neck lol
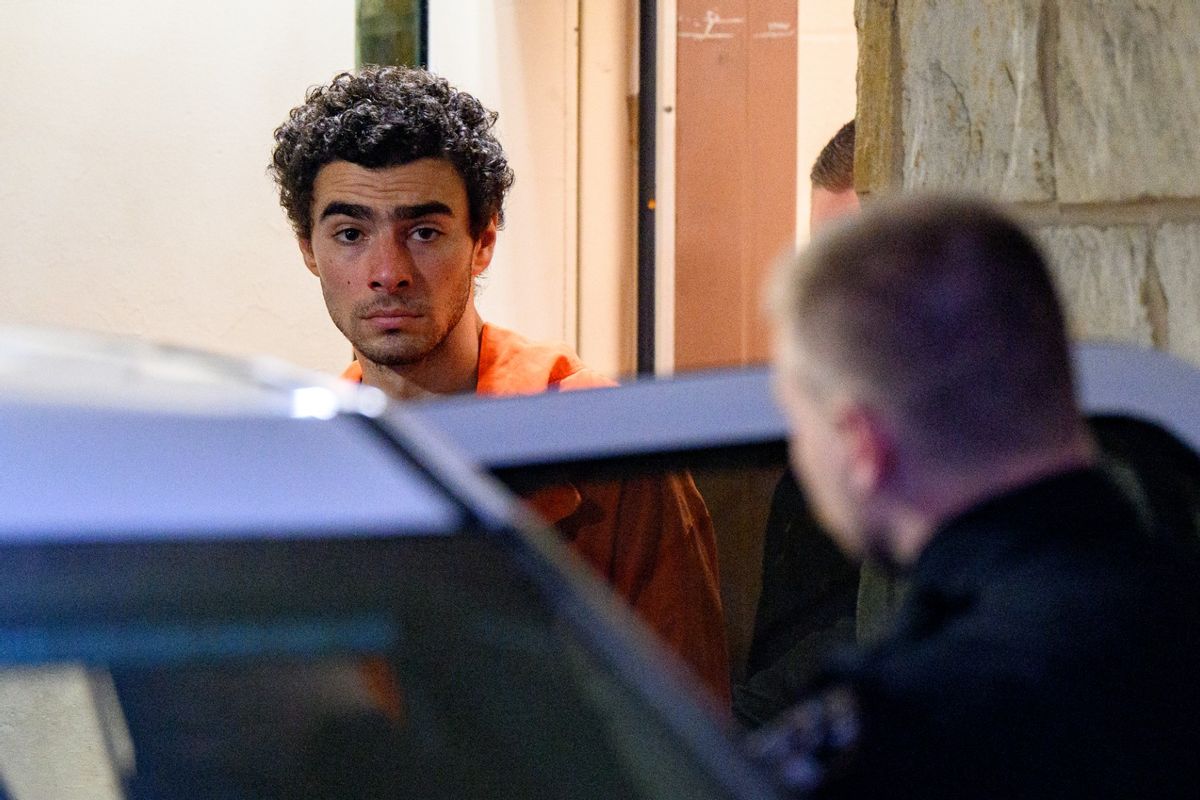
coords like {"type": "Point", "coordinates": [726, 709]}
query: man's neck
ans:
{"type": "Point", "coordinates": [914, 525]}
{"type": "Point", "coordinates": [453, 368]}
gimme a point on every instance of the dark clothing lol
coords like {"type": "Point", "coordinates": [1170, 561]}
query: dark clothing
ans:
{"type": "Point", "coordinates": [1048, 647]}
{"type": "Point", "coordinates": [1156, 471]}
{"type": "Point", "coordinates": [806, 579]}
{"type": "Point", "coordinates": [807, 607]}
{"type": "Point", "coordinates": [805, 610]}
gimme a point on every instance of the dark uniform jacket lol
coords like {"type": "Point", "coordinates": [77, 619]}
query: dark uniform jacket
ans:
{"type": "Point", "coordinates": [806, 608]}
{"type": "Point", "coordinates": [1048, 647]}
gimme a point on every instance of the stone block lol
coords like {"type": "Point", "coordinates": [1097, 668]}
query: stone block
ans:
{"type": "Point", "coordinates": [1128, 99]}
{"type": "Point", "coordinates": [876, 147]}
{"type": "Point", "coordinates": [1102, 276]}
{"type": "Point", "coordinates": [1177, 261]}
{"type": "Point", "coordinates": [972, 104]}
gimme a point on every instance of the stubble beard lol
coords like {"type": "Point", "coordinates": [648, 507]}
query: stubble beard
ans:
{"type": "Point", "coordinates": [404, 349]}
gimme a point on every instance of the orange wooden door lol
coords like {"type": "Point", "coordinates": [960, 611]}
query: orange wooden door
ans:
{"type": "Point", "coordinates": [735, 173]}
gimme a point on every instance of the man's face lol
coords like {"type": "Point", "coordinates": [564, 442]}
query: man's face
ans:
{"type": "Point", "coordinates": [819, 452]}
{"type": "Point", "coordinates": [395, 255]}
{"type": "Point", "coordinates": [828, 206]}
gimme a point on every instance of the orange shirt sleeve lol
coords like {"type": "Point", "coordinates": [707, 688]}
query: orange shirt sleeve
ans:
{"type": "Point", "coordinates": [652, 539]}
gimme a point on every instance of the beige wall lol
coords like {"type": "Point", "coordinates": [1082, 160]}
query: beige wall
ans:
{"type": "Point", "coordinates": [608, 185]}
{"type": "Point", "coordinates": [133, 145]}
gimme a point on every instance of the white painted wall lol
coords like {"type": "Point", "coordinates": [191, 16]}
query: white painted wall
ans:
{"type": "Point", "coordinates": [134, 140]}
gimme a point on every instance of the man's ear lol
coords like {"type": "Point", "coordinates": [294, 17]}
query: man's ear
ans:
{"type": "Point", "coordinates": [485, 246]}
{"type": "Point", "coordinates": [870, 448]}
{"type": "Point", "coordinates": [306, 250]}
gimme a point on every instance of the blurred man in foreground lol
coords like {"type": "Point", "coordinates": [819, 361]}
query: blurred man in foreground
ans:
{"type": "Point", "coordinates": [394, 183]}
{"type": "Point", "coordinates": [1048, 646]}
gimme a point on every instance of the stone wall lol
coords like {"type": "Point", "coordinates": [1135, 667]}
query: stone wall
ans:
{"type": "Point", "coordinates": [1084, 115]}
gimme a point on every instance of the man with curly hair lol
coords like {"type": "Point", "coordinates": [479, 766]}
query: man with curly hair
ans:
{"type": "Point", "coordinates": [395, 185]}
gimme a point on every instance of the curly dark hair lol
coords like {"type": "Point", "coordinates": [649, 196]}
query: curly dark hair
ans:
{"type": "Point", "coordinates": [383, 117]}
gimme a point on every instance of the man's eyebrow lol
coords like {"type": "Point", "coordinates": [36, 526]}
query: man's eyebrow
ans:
{"type": "Point", "coordinates": [356, 211]}
{"type": "Point", "coordinates": [422, 210]}
{"type": "Point", "coordinates": [352, 210]}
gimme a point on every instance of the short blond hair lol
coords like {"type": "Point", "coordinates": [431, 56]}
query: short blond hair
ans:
{"type": "Point", "coordinates": [941, 313]}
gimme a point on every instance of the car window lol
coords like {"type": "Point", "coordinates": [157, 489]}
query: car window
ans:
{"type": "Point", "coordinates": [416, 667]}
{"type": "Point", "coordinates": [789, 596]}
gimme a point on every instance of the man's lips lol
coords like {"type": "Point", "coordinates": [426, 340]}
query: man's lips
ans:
{"type": "Point", "coordinates": [392, 313]}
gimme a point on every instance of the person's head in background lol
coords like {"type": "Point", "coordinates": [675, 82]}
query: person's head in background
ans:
{"type": "Point", "coordinates": [923, 364]}
{"type": "Point", "coordinates": [832, 178]}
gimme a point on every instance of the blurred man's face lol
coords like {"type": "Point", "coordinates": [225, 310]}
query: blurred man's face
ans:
{"type": "Point", "coordinates": [819, 451]}
{"type": "Point", "coordinates": [828, 206]}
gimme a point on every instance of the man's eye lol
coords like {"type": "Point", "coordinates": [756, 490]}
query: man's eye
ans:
{"type": "Point", "coordinates": [425, 234]}
{"type": "Point", "coordinates": [348, 235]}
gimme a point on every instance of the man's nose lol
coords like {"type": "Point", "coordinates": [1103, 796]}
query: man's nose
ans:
{"type": "Point", "coordinates": [391, 265]}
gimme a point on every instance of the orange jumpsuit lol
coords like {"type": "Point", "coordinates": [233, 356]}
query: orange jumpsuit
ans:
{"type": "Point", "coordinates": [650, 537]}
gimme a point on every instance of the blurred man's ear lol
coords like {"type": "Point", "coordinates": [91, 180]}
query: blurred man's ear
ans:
{"type": "Point", "coordinates": [870, 448]}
